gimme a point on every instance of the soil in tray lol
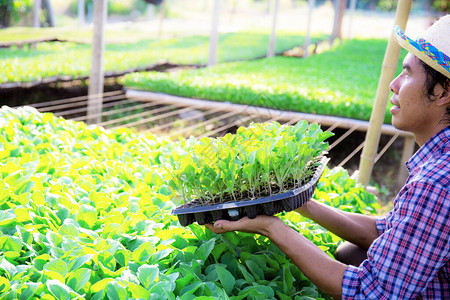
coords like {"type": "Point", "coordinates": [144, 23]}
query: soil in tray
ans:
{"type": "Point", "coordinates": [244, 196]}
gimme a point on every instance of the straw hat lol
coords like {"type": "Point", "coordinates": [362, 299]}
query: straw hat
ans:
{"type": "Point", "coordinates": [433, 47]}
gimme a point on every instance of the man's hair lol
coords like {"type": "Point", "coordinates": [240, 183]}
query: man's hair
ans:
{"type": "Point", "coordinates": [434, 77]}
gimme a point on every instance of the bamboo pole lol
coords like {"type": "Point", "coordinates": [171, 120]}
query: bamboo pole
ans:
{"type": "Point", "coordinates": [162, 15]}
{"type": "Point", "coordinates": [150, 12]}
{"type": "Point", "coordinates": [81, 13]}
{"type": "Point", "coordinates": [214, 36]}
{"type": "Point", "coordinates": [335, 21]}
{"type": "Point", "coordinates": [389, 67]}
{"type": "Point", "coordinates": [37, 13]}
{"type": "Point", "coordinates": [311, 4]}
{"type": "Point", "coordinates": [95, 99]}
{"type": "Point", "coordinates": [50, 14]}
{"type": "Point", "coordinates": [271, 50]}
{"type": "Point", "coordinates": [350, 18]}
{"type": "Point", "coordinates": [340, 18]}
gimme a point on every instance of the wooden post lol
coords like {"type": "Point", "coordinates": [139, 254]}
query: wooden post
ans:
{"type": "Point", "coordinates": [350, 18]}
{"type": "Point", "coordinates": [81, 13]}
{"type": "Point", "coordinates": [37, 13]}
{"type": "Point", "coordinates": [95, 97]}
{"type": "Point", "coordinates": [162, 15]}
{"type": "Point", "coordinates": [214, 36]}
{"type": "Point", "coordinates": [51, 15]}
{"type": "Point", "coordinates": [340, 17]}
{"type": "Point", "coordinates": [271, 50]}
{"type": "Point", "coordinates": [150, 12]}
{"type": "Point", "coordinates": [335, 21]}
{"type": "Point", "coordinates": [89, 12]}
{"type": "Point", "coordinates": [233, 11]}
{"type": "Point", "coordinates": [389, 67]}
{"type": "Point", "coordinates": [311, 4]}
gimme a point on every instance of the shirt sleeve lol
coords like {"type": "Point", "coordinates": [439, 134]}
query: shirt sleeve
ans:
{"type": "Point", "coordinates": [410, 251]}
{"type": "Point", "coordinates": [381, 224]}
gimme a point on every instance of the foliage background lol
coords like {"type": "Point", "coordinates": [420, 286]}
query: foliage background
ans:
{"type": "Point", "coordinates": [85, 214]}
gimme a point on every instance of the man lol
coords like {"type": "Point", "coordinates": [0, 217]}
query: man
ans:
{"type": "Point", "coordinates": [408, 250]}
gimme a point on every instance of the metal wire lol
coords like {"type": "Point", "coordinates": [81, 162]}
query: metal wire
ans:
{"type": "Point", "coordinates": [293, 121]}
{"type": "Point", "coordinates": [241, 121]}
{"type": "Point", "coordinates": [342, 137]}
{"type": "Point", "coordinates": [77, 104]}
{"type": "Point", "coordinates": [132, 117]}
{"type": "Point", "coordinates": [84, 109]}
{"type": "Point", "coordinates": [192, 127]}
{"type": "Point", "coordinates": [334, 126]}
{"type": "Point", "coordinates": [386, 147]}
{"type": "Point", "coordinates": [356, 150]}
{"type": "Point", "coordinates": [74, 99]}
{"type": "Point", "coordinates": [148, 120]}
{"type": "Point", "coordinates": [118, 110]}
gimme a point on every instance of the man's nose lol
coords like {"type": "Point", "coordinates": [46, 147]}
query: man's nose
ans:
{"type": "Point", "coordinates": [393, 85]}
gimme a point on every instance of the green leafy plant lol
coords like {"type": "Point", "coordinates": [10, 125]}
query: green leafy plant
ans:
{"type": "Point", "coordinates": [340, 82]}
{"type": "Point", "coordinates": [257, 161]}
{"type": "Point", "coordinates": [84, 214]}
{"type": "Point", "coordinates": [70, 59]}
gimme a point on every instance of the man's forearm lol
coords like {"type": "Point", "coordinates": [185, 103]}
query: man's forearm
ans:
{"type": "Point", "coordinates": [321, 269]}
{"type": "Point", "coordinates": [356, 228]}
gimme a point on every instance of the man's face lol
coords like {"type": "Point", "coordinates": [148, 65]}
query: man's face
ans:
{"type": "Point", "coordinates": [411, 111]}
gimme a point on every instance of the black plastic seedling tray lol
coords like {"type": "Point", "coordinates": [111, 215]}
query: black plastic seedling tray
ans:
{"type": "Point", "coordinates": [235, 210]}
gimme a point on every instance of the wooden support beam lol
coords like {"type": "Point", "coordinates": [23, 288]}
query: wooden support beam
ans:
{"type": "Point", "coordinates": [81, 13]}
{"type": "Point", "coordinates": [273, 35]}
{"type": "Point", "coordinates": [350, 18]}
{"type": "Point", "coordinates": [37, 13]}
{"type": "Point", "coordinates": [162, 16]}
{"type": "Point", "coordinates": [311, 4]}
{"type": "Point", "coordinates": [50, 14]}
{"type": "Point", "coordinates": [261, 111]}
{"type": "Point", "coordinates": [389, 68]}
{"type": "Point", "coordinates": [214, 36]}
{"type": "Point", "coordinates": [97, 68]}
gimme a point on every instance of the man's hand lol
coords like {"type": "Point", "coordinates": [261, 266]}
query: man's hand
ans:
{"type": "Point", "coordinates": [320, 268]}
{"type": "Point", "coordinates": [261, 225]}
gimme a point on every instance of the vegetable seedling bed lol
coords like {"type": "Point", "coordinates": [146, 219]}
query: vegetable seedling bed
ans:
{"type": "Point", "coordinates": [195, 211]}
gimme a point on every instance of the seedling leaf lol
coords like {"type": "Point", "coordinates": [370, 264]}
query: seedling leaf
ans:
{"type": "Point", "coordinates": [77, 280]}
{"type": "Point", "coordinates": [205, 249]}
{"type": "Point", "coordinates": [147, 275]}
{"type": "Point", "coordinates": [115, 291]}
{"type": "Point", "coordinates": [59, 291]}
{"type": "Point", "coordinates": [226, 278]}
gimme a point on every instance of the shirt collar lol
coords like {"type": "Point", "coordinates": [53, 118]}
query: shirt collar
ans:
{"type": "Point", "coordinates": [439, 143]}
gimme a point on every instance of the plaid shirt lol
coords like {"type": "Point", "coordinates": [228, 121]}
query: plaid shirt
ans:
{"type": "Point", "coordinates": [410, 258]}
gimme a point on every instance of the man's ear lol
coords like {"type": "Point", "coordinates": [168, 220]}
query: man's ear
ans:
{"type": "Point", "coordinates": [442, 95]}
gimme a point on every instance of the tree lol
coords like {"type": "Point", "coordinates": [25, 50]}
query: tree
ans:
{"type": "Point", "coordinates": [12, 10]}
{"type": "Point", "coordinates": [6, 8]}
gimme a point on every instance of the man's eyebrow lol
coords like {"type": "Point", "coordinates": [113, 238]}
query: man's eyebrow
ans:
{"type": "Point", "coordinates": [407, 68]}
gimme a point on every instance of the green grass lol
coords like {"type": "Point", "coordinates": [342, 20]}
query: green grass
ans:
{"type": "Point", "coordinates": [340, 82]}
{"type": "Point", "coordinates": [70, 33]}
{"type": "Point", "coordinates": [74, 60]}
